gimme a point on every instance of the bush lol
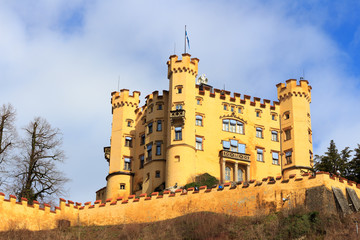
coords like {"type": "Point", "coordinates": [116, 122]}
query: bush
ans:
{"type": "Point", "coordinates": [203, 180]}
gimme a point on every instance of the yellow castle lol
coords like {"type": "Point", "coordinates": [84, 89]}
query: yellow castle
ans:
{"type": "Point", "coordinates": [194, 128]}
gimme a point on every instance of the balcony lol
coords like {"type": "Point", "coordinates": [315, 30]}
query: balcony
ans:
{"type": "Point", "coordinates": [107, 153]}
{"type": "Point", "coordinates": [177, 116]}
{"type": "Point", "coordinates": [235, 155]}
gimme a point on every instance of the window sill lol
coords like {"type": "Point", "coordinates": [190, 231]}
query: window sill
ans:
{"type": "Point", "coordinates": [177, 140]}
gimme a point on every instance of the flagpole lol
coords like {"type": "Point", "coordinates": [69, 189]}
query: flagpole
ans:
{"type": "Point", "coordinates": [185, 40]}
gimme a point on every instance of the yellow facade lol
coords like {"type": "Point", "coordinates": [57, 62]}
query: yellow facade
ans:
{"type": "Point", "coordinates": [194, 128]}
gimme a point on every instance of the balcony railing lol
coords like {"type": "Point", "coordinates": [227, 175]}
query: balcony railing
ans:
{"type": "Point", "coordinates": [235, 155]}
{"type": "Point", "coordinates": [177, 115]}
{"type": "Point", "coordinates": [107, 153]}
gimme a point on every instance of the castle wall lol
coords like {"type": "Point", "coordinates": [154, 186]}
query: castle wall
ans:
{"type": "Point", "coordinates": [257, 197]}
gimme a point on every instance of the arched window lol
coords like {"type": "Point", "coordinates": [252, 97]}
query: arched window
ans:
{"type": "Point", "coordinates": [227, 174]}
{"type": "Point", "coordinates": [240, 175]}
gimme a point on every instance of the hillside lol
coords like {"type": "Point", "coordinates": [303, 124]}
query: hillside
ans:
{"type": "Point", "coordinates": [294, 224]}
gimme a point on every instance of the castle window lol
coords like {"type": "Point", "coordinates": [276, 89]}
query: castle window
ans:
{"type": "Point", "coordinates": [142, 139]}
{"type": "Point", "coordinates": [177, 158]}
{"type": "Point", "coordinates": [199, 143]}
{"type": "Point", "coordinates": [150, 109]}
{"type": "Point", "coordinates": [226, 145]}
{"type": "Point", "coordinates": [158, 148]}
{"type": "Point", "coordinates": [157, 174]}
{"type": "Point", "coordinates": [159, 126]}
{"type": "Point", "coordinates": [286, 115]}
{"type": "Point", "coordinates": [288, 157]}
{"type": "Point", "coordinates": [273, 116]}
{"type": "Point", "coordinates": [142, 161]}
{"type": "Point", "coordinates": [240, 175]}
{"type": "Point", "coordinates": [198, 101]}
{"type": "Point", "coordinates": [287, 134]}
{"type": "Point", "coordinates": [233, 145]}
{"type": "Point", "coordinates": [179, 89]}
{"type": "Point", "coordinates": [258, 113]}
{"type": "Point", "coordinates": [178, 106]}
{"type": "Point", "coordinates": [240, 110]}
{"type": "Point", "coordinates": [311, 159]}
{"type": "Point", "coordinates": [239, 127]}
{"type": "Point", "coordinates": [232, 125]}
{"type": "Point", "coordinates": [129, 123]}
{"type": "Point", "coordinates": [232, 108]}
{"type": "Point", "coordinates": [178, 133]}
{"type": "Point", "coordinates": [310, 135]}
{"type": "Point", "coordinates": [160, 107]}
{"type": "Point", "coordinates": [128, 142]}
{"type": "Point", "coordinates": [260, 155]}
{"type": "Point", "coordinates": [225, 107]}
{"type": "Point", "coordinates": [127, 163]}
{"type": "Point", "coordinates": [274, 136]}
{"type": "Point", "coordinates": [150, 128]}
{"type": "Point", "coordinates": [226, 125]}
{"type": "Point", "coordinates": [227, 174]}
{"type": "Point", "coordinates": [241, 148]}
{"type": "Point", "coordinates": [149, 152]}
{"type": "Point", "coordinates": [259, 133]}
{"type": "Point", "coordinates": [198, 121]}
{"type": "Point", "coordinates": [275, 158]}
{"type": "Point", "coordinates": [122, 186]}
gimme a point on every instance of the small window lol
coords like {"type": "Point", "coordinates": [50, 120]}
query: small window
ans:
{"type": "Point", "coordinates": [258, 113]}
{"type": "Point", "coordinates": [260, 155]}
{"type": "Point", "coordinates": [227, 174]}
{"type": "Point", "coordinates": [159, 126]}
{"type": "Point", "coordinates": [149, 152]}
{"type": "Point", "coordinates": [178, 133]}
{"type": "Point", "coordinates": [274, 136]}
{"type": "Point", "coordinates": [232, 125]}
{"type": "Point", "coordinates": [177, 158]}
{"type": "Point", "coordinates": [275, 158]}
{"type": "Point", "coordinates": [288, 157]}
{"type": "Point", "coordinates": [273, 116]}
{"type": "Point", "coordinates": [159, 107]}
{"type": "Point", "coordinates": [142, 139]}
{"type": "Point", "coordinates": [287, 134]}
{"type": "Point", "coordinates": [142, 161]}
{"type": "Point", "coordinates": [225, 107]}
{"type": "Point", "coordinates": [150, 128]}
{"type": "Point", "coordinates": [178, 106]}
{"type": "Point", "coordinates": [122, 186]}
{"type": "Point", "coordinates": [127, 165]}
{"type": "Point", "coordinates": [199, 143]}
{"type": "Point", "coordinates": [157, 174]}
{"type": "Point", "coordinates": [128, 142]}
{"type": "Point", "coordinates": [239, 127]}
{"type": "Point", "coordinates": [179, 90]}
{"type": "Point", "coordinates": [259, 133]}
{"type": "Point", "coordinates": [232, 108]}
{"type": "Point", "coordinates": [198, 101]}
{"type": "Point", "coordinates": [286, 115]}
{"type": "Point", "coordinates": [239, 110]}
{"type": "Point", "coordinates": [310, 135]}
{"type": "Point", "coordinates": [158, 148]}
{"type": "Point", "coordinates": [198, 121]}
{"type": "Point", "coordinates": [226, 125]}
{"type": "Point", "coordinates": [311, 159]}
{"type": "Point", "coordinates": [129, 123]}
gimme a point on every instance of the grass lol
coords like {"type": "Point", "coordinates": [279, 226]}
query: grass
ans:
{"type": "Point", "coordinates": [294, 224]}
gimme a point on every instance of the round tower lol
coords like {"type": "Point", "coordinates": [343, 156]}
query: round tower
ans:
{"type": "Point", "coordinates": [119, 180]}
{"type": "Point", "coordinates": [180, 154]}
{"type": "Point", "coordinates": [295, 124]}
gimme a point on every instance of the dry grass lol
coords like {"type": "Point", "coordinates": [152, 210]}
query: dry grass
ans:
{"type": "Point", "coordinates": [295, 224]}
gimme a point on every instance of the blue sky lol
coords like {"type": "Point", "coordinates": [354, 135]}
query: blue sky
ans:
{"type": "Point", "coordinates": [61, 59]}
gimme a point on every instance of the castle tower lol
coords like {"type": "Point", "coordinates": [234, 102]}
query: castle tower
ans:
{"type": "Point", "coordinates": [180, 155]}
{"type": "Point", "coordinates": [295, 124]}
{"type": "Point", "coordinates": [119, 180]}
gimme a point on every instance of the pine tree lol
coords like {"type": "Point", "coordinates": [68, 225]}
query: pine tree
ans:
{"type": "Point", "coordinates": [355, 166]}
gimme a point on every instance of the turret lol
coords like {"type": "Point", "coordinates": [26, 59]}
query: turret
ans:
{"type": "Point", "coordinates": [296, 133]}
{"type": "Point", "coordinates": [122, 140]}
{"type": "Point", "coordinates": [181, 127]}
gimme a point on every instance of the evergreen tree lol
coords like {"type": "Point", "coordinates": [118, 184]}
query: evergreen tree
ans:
{"type": "Point", "coordinates": [355, 166]}
{"type": "Point", "coordinates": [333, 161]}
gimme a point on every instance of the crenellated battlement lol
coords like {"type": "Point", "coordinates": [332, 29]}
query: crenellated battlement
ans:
{"type": "Point", "coordinates": [154, 96]}
{"type": "Point", "coordinates": [122, 98]}
{"type": "Point", "coordinates": [236, 98]}
{"type": "Point", "coordinates": [186, 64]}
{"type": "Point", "coordinates": [271, 193]}
{"type": "Point", "coordinates": [291, 88]}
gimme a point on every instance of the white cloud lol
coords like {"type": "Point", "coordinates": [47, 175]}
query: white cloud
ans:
{"type": "Point", "coordinates": [67, 76]}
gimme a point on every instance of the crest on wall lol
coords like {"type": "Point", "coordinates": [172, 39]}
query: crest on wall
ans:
{"type": "Point", "coordinates": [202, 79]}
{"type": "Point", "coordinates": [233, 115]}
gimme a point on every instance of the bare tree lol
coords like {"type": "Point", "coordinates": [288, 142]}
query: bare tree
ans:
{"type": "Point", "coordinates": [36, 175]}
{"type": "Point", "coordinates": [7, 136]}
